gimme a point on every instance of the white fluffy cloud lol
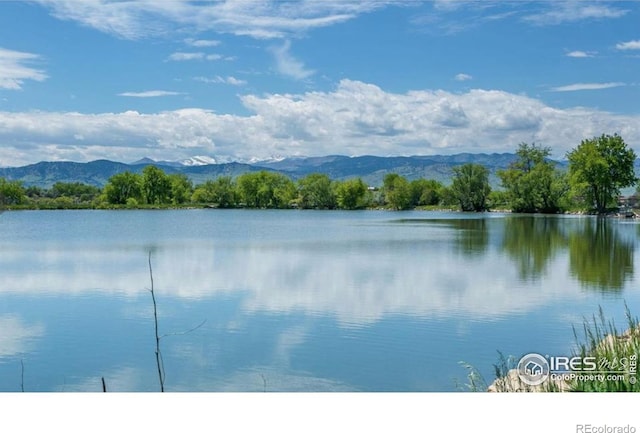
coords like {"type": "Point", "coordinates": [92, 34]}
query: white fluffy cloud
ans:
{"type": "Point", "coordinates": [630, 45]}
{"type": "Point", "coordinates": [15, 68]}
{"type": "Point", "coordinates": [463, 77]}
{"type": "Point", "coordinates": [355, 118]}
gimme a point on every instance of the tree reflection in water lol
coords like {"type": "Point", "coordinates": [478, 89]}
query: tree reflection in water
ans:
{"type": "Point", "coordinates": [599, 257]}
{"type": "Point", "coordinates": [532, 241]}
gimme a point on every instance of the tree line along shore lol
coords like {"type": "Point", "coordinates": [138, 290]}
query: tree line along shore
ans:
{"type": "Point", "coordinates": [598, 169]}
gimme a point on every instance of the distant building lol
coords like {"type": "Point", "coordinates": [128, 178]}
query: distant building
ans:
{"type": "Point", "coordinates": [629, 201]}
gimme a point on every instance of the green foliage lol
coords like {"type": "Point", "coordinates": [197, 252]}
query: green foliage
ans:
{"type": "Point", "coordinates": [447, 197]}
{"type": "Point", "coordinates": [221, 191]}
{"type": "Point", "coordinates": [267, 190]}
{"type": "Point", "coordinates": [470, 187]}
{"type": "Point", "coordinates": [351, 194]}
{"type": "Point", "coordinates": [397, 191]}
{"type": "Point", "coordinates": [532, 183]}
{"type": "Point", "coordinates": [78, 193]}
{"type": "Point", "coordinates": [315, 192]}
{"type": "Point", "coordinates": [426, 192]}
{"type": "Point", "coordinates": [603, 341]}
{"type": "Point", "coordinates": [598, 168]}
{"type": "Point", "coordinates": [181, 188]}
{"type": "Point", "coordinates": [156, 186]}
{"type": "Point", "coordinates": [64, 202]}
{"type": "Point", "coordinates": [498, 200]}
{"type": "Point", "coordinates": [123, 186]}
{"type": "Point", "coordinates": [11, 193]}
{"type": "Point", "coordinates": [132, 203]}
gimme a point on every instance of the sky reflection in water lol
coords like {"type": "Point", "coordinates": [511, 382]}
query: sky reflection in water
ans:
{"type": "Point", "coordinates": [312, 301]}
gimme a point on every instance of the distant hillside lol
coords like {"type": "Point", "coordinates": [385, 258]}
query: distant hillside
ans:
{"type": "Point", "coordinates": [45, 174]}
{"type": "Point", "coordinates": [371, 169]}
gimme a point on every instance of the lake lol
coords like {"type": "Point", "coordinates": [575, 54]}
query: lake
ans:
{"type": "Point", "coordinates": [256, 300]}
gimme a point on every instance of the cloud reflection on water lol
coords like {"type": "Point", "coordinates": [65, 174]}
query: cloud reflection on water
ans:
{"type": "Point", "coordinates": [357, 284]}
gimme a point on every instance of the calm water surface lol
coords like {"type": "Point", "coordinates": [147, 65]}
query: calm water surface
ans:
{"type": "Point", "coordinates": [297, 300]}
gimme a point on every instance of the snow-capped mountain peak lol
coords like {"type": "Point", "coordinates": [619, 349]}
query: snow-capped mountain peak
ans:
{"type": "Point", "coordinates": [198, 160]}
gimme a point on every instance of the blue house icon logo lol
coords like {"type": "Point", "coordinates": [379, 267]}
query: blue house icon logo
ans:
{"type": "Point", "coordinates": [533, 369]}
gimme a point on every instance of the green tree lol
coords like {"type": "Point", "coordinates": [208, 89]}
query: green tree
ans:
{"type": "Point", "coordinates": [425, 192]}
{"type": "Point", "coordinates": [447, 197]}
{"type": "Point", "coordinates": [397, 192]}
{"type": "Point", "coordinates": [34, 192]}
{"type": "Point", "coordinates": [156, 186]}
{"type": "Point", "coordinates": [265, 189]}
{"type": "Point", "coordinates": [181, 188]}
{"type": "Point", "coordinates": [470, 186]}
{"type": "Point", "coordinates": [123, 186]}
{"type": "Point", "coordinates": [498, 200]}
{"type": "Point", "coordinates": [599, 167]}
{"type": "Point", "coordinates": [532, 183]}
{"type": "Point", "coordinates": [76, 191]}
{"type": "Point", "coordinates": [351, 194]}
{"type": "Point", "coordinates": [11, 192]}
{"type": "Point", "coordinates": [315, 192]}
{"type": "Point", "coordinates": [221, 191]}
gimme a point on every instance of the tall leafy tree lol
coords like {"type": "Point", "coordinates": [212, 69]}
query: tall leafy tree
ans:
{"type": "Point", "coordinates": [532, 183]}
{"type": "Point", "coordinates": [351, 194]}
{"type": "Point", "coordinates": [221, 191]}
{"type": "Point", "coordinates": [315, 192]}
{"type": "Point", "coordinates": [181, 188]}
{"type": "Point", "coordinates": [265, 189]}
{"type": "Point", "coordinates": [599, 167]}
{"type": "Point", "coordinates": [76, 191]}
{"type": "Point", "coordinates": [397, 192]}
{"type": "Point", "coordinates": [123, 186]}
{"type": "Point", "coordinates": [156, 185]}
{"type": "Point", "coordinates": [470, 186]}
{"type": "Point", "coordinates": [11, 192]}
{"type": "Point", "coordinates": [425, 192]}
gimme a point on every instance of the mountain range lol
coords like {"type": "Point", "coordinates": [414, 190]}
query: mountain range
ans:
{"type": "Point", "coordinates": [371, 169]}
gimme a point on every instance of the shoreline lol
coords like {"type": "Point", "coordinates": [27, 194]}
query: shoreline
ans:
{"type": "Point", "coordinates": [609, 344]}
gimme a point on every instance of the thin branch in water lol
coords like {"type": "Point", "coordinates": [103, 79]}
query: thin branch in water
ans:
{"type": "Point", "coordinates": [159, 360]}
{"type": "Point", "coordinates": [184, 332]}
{"type": "Point", "coordinates": [159, 363]}
{"type": "Point", "coordinates": [22, 375]}
{"type": "Point", "coordinates": [264, 382]}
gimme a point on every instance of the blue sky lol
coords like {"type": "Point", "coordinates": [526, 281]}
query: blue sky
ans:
{"type": "Point", "coordinates": [249, 79]}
